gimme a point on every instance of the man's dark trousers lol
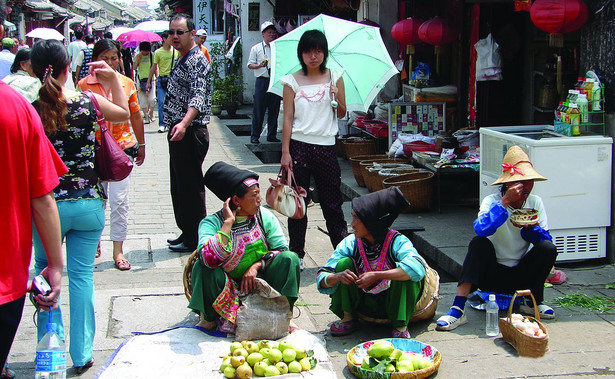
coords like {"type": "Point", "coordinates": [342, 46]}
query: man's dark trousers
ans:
{"type": "Point", "coordinates": [264, 100]}
{"type": "Point", "coordinates": [187, 187]}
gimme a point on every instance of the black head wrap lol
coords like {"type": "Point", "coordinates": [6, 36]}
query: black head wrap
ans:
{"type": "Point", "coordinates": [378, 210]}
{"type": "Point", "coordinates": [225, 180]}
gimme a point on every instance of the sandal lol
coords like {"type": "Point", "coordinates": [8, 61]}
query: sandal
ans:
{"type": "Point", "coordinates": [448, 322]}
{"type": "Point", "coordinates": [544, 311]}
{"type": "Point", "coordinates": [340, 328]}
{"type": "Point", "coordinates": [7, 373]}
{"type": "Point", "coordinates": [98, 252]}
{"type": "Point", "coordinates": [399, 334]}
{"type": "Point", "coordinates": [122, 265]}
{"type": "Point", "coordinates": [80, 369]}
{"type": "Point", "coordinates": [560, 277]}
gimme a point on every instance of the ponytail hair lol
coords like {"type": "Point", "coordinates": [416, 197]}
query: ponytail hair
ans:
{"type": "Point", "coordinates": [49, 60]}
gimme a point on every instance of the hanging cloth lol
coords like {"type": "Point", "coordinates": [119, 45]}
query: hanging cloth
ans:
{"type": "Point", "coordinates": [472, 79]}
{"type": "Point", "coordinates": [488, 59]}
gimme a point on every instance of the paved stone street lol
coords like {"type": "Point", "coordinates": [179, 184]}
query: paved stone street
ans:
{"type": "Point", "coordinates": [150, 297]}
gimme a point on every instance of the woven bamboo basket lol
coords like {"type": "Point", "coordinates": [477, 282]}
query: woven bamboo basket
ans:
{"type": "Point", "coordinates": [356, 169]}
{"type": "Point", "coordinates": [358, 146]}
{"type": "Point", "coordinates": [372, 178]}
{"type": "Point", "coordinates": [339, 147]}
{"type": "Point", "coordinates": [188, 274]}
{"type": "Point", "coordinates": [525, 345]}
{"type": "Point", "coordinates": [367, 176]}
{"type": "Point", "coordinates": [416, 188]}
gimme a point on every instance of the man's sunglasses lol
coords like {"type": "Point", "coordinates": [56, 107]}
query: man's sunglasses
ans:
{"type": "Point", "coordinates": [179, 32]}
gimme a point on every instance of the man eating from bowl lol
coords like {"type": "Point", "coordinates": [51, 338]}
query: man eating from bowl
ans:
{"type": "Point", "coordinates": [510, 252]}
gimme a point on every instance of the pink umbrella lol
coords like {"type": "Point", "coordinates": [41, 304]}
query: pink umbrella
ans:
{"type": "Point", "coordinates": [133, 37]}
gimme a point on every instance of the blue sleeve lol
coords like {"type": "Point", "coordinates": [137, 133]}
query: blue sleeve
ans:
{"type": "Point", "coordinates": [535, 234]}
{"type": "Point", "coordinates": [488, 222]}
{"type": "Point", "coordinates": [343, 249]}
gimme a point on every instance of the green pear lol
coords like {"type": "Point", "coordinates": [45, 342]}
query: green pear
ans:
{"type": "Point", "coordinates": [289, 355]}
{"type": "Point", "coordinates": [264, 352]}
{"type": "Point", "coordinates": [254, 358]}
{"type": "Point", "coordinates": [380, 349]}
{"type": "Point", "coordinates": [244, 371]}
{"type": "Point", "coordinates": [259, 368]}
{"type": "Point", "coordinates": [229, 372]}
{"type": "Point", "coordinates": [294, 367]}
{"type": "Point", "coordinates": [300, 351]}
{"type": "Point", "coordinates": [285, 344]}
{"type": "Point", "coordinates": [275, 355]}
{"type": "Point", "coordinates": [282, 367]}
{"type": "Point", "coordinates": [235, 346]}
{"type": "Point", "coordinates": [405, 366]}
{"type": "Point", "coordinates": [306, 365]}
{"type": "Point", "coordinates": [263, 343]}
{"type": "Point", "coordinates": [390, 368]}
{"type": "Point", "coordinates": [423, 362]}
{"type": "Point", "coordinates": [251, 347]}
{"type": "Point", "coordinates": [396, 354]}
{"type": "Point", "coordinates": [241, 351]}
{"type": "Point", "coordinates": [237, 360]}
{"type": "Point", "coordinates": [225, 363]}
{"type": "Point", "coordinates": [272, 371]}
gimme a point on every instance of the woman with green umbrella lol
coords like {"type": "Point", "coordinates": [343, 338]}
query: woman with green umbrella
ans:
{"type": "Point", "coordinates": [313, 99]}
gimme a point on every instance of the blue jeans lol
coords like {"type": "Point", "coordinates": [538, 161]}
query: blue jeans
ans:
{"type": "Point", "coordinates": [161, 94]}
{"type": "Point", "coordinates": [82, 222]}
{"type": "Point", "coordinates": [263, 101]}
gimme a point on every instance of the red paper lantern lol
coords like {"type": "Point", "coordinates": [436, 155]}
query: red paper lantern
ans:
{"type": "Point", "coordinates": [406, 31]}
{"type": "Point", "coordinates": [437, 32]}
{"type": "Point", "coordinates": [557, 17]}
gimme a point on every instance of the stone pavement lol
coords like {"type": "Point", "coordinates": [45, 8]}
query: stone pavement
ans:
{"type": "Point", "coordinates": [150, 297]}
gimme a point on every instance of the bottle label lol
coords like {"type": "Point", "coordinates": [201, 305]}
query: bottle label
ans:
{"type": "Point", "coordinates": [50, 361]}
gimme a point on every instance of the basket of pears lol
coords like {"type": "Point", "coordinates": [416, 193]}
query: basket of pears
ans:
{"type": "Point", "coordinates": [248, 359]}
{"type": "Point", "coordinates": [394, 358]}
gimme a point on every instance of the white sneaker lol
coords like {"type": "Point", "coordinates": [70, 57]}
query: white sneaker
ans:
{"type": "Point", "coordinates": [162, 129]}
{"type": "Point", "coordinates": [301, 265]}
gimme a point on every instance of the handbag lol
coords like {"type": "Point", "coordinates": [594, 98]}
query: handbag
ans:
{"type": "Point", "coordinates": [285, 196]}
{"type": "Point", "coordinates": [111, 163]}
{"type": "Point", "coordinates": [164, 82]}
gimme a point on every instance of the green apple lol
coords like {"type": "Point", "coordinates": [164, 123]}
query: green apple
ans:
{"type": "Point", "coordinates": [294, 367]}
{"type": "Point", "coordinates": [241, 351]}
{"type": "Point", "coordinates": [254, 358]}
{"type": "Point", "coordinates": [282, 367]}
{"type": "Point", "coordinates": [225, 363]}
{"type": "Point", "coordinates": [235, 346]}
{"type": "Point", "coordinates": [289, 355]}
{"type": "Point", "coordinates": [259, 368]}
{"type": "Point", "coordinates": [272, 371]}
{"type": "Point", "coordinates": [237, 360]}
{"type": "Point", "coordinates": [305, 364]}
{"type": "Point", "coordinates": [252, 347]}
{"type": "Point", "coordinates": [275, 355]}
{"type": "Point", "coordinates": [285, 344]}
{"type": "Point", "coordinates": [244, 371]}
{"type": "Point", "coordinates": [264, 352]}
{"type": "Point", "coordinates": [229, 372]}
{"type": "Point", "coordinates": [405, 366]}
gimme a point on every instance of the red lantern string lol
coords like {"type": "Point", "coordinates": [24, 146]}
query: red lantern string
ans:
{"type": "Point", "coordinates": [406, 32]}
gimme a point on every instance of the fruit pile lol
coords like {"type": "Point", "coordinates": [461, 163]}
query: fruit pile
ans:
{"type": "Point", "coordinates": [382, 356]}
{"type": "Point", "coordinates": [266, 358]}
{"type": "Point", "coordinates": [527, 326]}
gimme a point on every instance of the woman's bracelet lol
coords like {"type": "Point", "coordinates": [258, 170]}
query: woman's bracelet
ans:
{"type": "Point", "coordinates": [262, 264]}
{"type": "Point", "coordinates": [327, 283]}
{"type": "Point", "coordinates": [141, 145]}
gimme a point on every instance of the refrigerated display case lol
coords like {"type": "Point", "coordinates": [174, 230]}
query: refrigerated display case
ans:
{"type": "Point", "coordinates": [577, 194]}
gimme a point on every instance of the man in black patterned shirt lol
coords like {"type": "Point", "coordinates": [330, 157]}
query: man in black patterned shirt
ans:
{"type": "Point", "coordinates": [187, 109]}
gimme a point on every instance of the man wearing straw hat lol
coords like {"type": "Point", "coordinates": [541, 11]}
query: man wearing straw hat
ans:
{"type": "Point", "coordinates": [505, 256]}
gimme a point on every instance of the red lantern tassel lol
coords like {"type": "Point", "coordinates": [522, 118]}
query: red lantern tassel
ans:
{"type": "Point", "coordinates": [556, 40]}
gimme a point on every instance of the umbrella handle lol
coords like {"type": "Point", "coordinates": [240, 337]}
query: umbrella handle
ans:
{"type": "Point", "coordinates": [333, 102]}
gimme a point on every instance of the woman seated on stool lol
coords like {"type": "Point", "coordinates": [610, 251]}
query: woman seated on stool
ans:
{"type": "Point", "coordinates": [505, 256]}
{"type": "Point", "coordinates": [237, 244]}
{"type": "Point", "coordinates": [375, 271]}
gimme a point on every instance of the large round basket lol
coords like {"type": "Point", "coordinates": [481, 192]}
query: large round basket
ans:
{"type": "Point", "coordinates": [416, 188]}
{"type": "Point", "coordinates": [368, 163]}
{"type": "Point", "coordinates": [188, 274]}
{"type": "Point", "coordinates": [377, 173]}
{"type": "Point", "coordinates": [356, 170]}
{"type": "Point", "coordinates": [355, 356]}
{"type": "Point", "coordinates": [358, 146]}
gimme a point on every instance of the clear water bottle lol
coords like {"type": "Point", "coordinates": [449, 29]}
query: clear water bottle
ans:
{"type": "Point", "coordinates": [51, 355]}
{"type": "Point", "coordinates": [492, 328]}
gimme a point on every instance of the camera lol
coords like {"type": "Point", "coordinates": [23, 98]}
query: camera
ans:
{"type": "Point", "coordinates": [40, 285]}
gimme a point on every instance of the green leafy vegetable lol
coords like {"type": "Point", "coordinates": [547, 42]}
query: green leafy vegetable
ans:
{"type": "Point", "coordinates": [595, 303]}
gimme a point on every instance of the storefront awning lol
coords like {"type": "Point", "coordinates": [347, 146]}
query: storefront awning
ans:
{"type": "Point", "coordinates": [46, 5]}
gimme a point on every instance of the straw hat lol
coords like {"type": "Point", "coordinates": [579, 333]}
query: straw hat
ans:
{"type": "Point", "coordinates": [516, 167]}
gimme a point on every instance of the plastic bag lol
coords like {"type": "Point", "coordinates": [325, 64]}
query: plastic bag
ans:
{"type": "Point", "coordinates": [263, 314]}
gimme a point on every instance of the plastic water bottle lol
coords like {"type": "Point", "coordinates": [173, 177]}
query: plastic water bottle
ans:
{"type": "Point", "coordinates": [51, 354]}
{"type": "Point", "coordinates": [492, 328]}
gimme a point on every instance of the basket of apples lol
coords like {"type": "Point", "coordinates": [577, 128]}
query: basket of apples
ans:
{"type": "Point", "coordinates": [395, 358]}
{"type": "Point", "coordinates": [247, 359]}
{"type": "Point", "coordinates": [526, 334]}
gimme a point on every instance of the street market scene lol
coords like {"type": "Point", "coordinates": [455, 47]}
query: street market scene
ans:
{"type": "Point", "coordinates": [318, 189]}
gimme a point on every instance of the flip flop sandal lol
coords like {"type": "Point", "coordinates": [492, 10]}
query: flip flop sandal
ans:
{"type": "Point", "coordinates": [448, 322]}
{"type": "Point", "coordinates": [340, 328]}
{"type": "Point", "coordinates": [122, 265]}
{"type": "Point", "coordinates": [398, 334]}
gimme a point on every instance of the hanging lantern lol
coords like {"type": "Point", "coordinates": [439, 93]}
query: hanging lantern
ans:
{"type": "Point", "coordinates": [406, 32]}
{"type": "Point", "coordinates": [557, 17]}
{"type": "Point", "coordinates": [437, 32]}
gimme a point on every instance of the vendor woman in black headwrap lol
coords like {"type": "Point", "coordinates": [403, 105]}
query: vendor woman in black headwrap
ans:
{"type": "Point", "coordinates": [375, 271]}
{"type": "Point", "coordinates": [237, 244]}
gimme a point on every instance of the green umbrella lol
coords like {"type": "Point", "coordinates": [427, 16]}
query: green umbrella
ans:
{"type": "Point", "coordinates": [355, 48]}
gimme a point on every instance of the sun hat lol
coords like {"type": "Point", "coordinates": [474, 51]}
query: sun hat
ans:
{"type": "Point", "coordinates": [267, 24]}
{"type": "Point", "coordinates": [201, 32]}
{"type": "Point", "coordinates": [225, 180]}
{"type": "Point", "coordinates": [517, 167]}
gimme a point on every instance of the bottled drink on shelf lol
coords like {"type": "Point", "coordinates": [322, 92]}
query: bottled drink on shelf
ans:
{"type": "Point", "coordinates": [51, 355]}
{"type": "Point", "coordinates": [596, 97]}
{"type": "Point", "coordinates": [492, 327]}
{"type": "Point", "coordinates": [583, 105]}
{"type": "Point", "coordinates": [558, 111]}
{"type": "Point", "coordinates": [575, 120]}
{"type": "Point", "coordinates": [580, 83]}
{"type": "Point", "coordinates": [588, 88]}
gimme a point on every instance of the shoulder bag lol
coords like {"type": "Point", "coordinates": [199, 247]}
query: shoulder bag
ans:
{"type": "Point", "coordinates": [285, 196]}
{"type": "Point", "coordinates": [111, 163]}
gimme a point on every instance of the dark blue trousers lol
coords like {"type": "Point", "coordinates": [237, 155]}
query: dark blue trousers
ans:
{"type": "Point", "coordinates": [264, 100]}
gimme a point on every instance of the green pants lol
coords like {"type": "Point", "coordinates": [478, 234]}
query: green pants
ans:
{"type": "Point", "coordinates": [396, 304]}
{"type": "Point", "coordinates": [283, 274]}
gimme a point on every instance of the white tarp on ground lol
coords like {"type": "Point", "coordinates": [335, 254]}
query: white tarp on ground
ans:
{"type": "Point", "coordinates": [188, 352]}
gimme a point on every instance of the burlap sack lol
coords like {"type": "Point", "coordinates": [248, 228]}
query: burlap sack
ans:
{"type": "Point", "coordinates": [263, 314]}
